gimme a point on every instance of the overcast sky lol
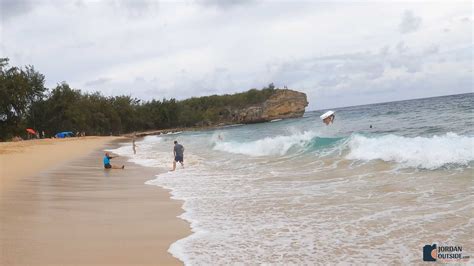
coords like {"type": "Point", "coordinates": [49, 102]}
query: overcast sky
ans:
{"type": "Point", "coordinates": [340, 53]}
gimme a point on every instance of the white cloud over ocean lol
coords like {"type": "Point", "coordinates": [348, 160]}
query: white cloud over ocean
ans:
{"type": "Point", "coordinates": [339, 53]}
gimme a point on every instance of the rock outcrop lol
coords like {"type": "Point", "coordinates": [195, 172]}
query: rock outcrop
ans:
{"type": "Point", "coordinates": [275, 104]}
{"type": "Point", "coordinates": [284, 103]}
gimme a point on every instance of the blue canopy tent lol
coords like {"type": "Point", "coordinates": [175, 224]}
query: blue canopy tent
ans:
{"type": "Point", "coordinates": [64, 134]}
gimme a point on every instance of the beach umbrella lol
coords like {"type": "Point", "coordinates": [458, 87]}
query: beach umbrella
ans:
{"type": "Point", "coordinates": [31, 131]}
{"type": "Point", "coordinates": [67, 133]}
{"type": "Point", "coordinates": [64, 134]}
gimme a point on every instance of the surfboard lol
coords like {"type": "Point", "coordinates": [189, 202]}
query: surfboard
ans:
{"type": "Point", "coordinates": [326, 115]}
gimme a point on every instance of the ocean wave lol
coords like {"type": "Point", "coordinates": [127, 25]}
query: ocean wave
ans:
{"type": "Point", "coordinates": [145, 155]}
{"type": "Point", "coordinates": [172, 133]}
{"type": "Point", "coordinates": [418, 152]}
{"type": "Point", "coordinates": [278, 145]}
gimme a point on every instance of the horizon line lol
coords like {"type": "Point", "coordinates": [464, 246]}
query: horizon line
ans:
{"type": "Point", "coordinates": [410, 99]}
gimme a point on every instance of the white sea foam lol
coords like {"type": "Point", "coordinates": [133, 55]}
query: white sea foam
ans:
{"type": "Point", "coordinates": [418, 152]}
{"type": "Point", "coordinates": [146, 154]}
{"type": "Point", "coordinates": [174, 133]}
{"type": "Point", "coordinates": [278, 145]}
{"type": "Point", "coordinates": [278, 210]}
{"type": "Point", "coordinates": [365, 203]}
{"type": "Point", "coordinates": [421, 152]}
{"type": "Point", "coordinates": [237, 218]}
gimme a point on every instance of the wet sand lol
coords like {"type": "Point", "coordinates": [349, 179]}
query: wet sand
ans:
{"type": "Point", "coordinates": [26, 158]}
{"type": "Point", "coordinates": [80, 214]}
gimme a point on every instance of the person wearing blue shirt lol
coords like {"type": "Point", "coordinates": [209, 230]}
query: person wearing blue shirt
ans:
{"type": "Point", "coordinates": [107, 164]}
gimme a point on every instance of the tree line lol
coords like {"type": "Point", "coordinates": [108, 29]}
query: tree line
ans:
{"type": "Point", "coordinates": [25, 102]}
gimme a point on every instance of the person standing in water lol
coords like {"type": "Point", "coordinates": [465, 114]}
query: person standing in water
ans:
{"type": "Point", "coordinates": [328, 117]}
{"type": "Point", "coordinates": [178, 152]}
{"type": "Point", "coordinates": [107, 164]}
{"type": "Point", "coordinates": [134, 146]}
{"type": "Point", "coordinates": [329, 120]}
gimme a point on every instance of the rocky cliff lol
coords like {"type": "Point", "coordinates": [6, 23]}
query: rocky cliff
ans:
{"type": "Point", "coordinates": [283, 103]}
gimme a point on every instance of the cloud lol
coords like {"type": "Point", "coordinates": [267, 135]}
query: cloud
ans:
{"type": "Point", "coordinates": [410, 22]}
{"type": "Point", "coordinates": [466, 19]}
{"type": "Point", "coordinates": [338, 53]}
{"type": "Point", "coordinates": [97, 82]}
{"type": "Point", "coordinates": [225, 4]}
{"type": "Point", "coordinates": [12, 8]}
{"type": "Point", "coordinates": [137, 8]}
{"type": "Point", "coordinates": [386, 74]}
{"type": "Point", "coordinates": [401, 48]}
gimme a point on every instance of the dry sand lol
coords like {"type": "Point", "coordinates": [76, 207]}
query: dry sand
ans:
{"type": "Point", "coordinates": [65, 209]}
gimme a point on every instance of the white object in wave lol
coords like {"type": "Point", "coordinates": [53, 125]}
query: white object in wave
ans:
{"type": "Point", "coordinates": [326, 115]}
{"type": "Point", "coordinates": [275, 120]}
{"type": "Point", "coordinates": [174, 133]}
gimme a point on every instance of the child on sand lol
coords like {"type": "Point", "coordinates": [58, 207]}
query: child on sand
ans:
{"type": "Point", "coordinates": [107, 164]}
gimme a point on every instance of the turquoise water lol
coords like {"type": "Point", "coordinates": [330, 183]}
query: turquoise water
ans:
{"type": "Point", "coordinates": [299, 192]}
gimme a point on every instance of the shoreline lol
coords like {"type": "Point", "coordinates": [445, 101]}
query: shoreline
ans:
{"type": "Point", "coordinates": [178, 130]}
{"type": "Point", "coordinates": [73, 211]}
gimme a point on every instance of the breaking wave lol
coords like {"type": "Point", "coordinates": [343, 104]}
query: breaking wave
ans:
{"type": "Point", "coordinates": [278, 145]}
{"type": "Point", "coordinates": [418, 152]}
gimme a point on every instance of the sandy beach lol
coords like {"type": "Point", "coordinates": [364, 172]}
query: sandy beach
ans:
{"type": "Point", "coordinates": [25, 158]}
{"type": "Point", "coordinates": [60, 207]}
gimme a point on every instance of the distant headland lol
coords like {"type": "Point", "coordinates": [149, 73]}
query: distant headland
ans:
{"type": "Point", "coordinates": [252, 106]}
{"type": "Point", "coordinates": [28, 104]}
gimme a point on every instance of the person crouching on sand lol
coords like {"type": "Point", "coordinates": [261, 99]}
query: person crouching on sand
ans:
{"type": "Point", "coordinates": [178, 151]}
{"type": "Point", "coordinates": [107, 164]}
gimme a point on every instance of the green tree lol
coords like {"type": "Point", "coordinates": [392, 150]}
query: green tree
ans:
{"type": "Point", "coordinates": [19, 90]}
{"type": "Point", "coordinates": [25, 103]}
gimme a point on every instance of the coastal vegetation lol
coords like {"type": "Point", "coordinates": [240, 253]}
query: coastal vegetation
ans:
{"type": "Point", "coordinates": [25, 102]}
